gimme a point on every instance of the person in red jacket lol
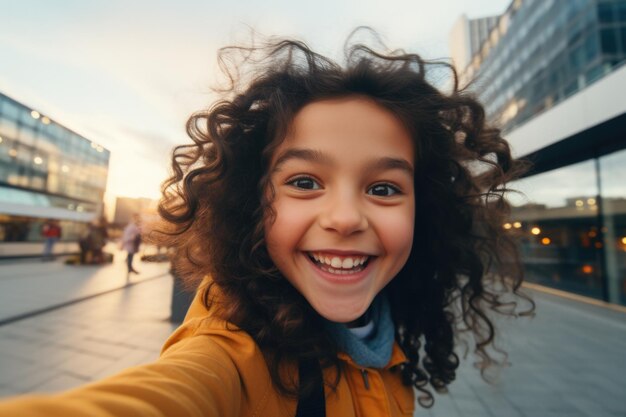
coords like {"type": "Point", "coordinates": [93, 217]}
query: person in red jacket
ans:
{"type": "Point", "coordinates": [51, 232]}
{"type": "Point", "coordinates": [340, 239]}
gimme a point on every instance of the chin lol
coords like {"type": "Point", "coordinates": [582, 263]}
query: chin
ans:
{"type": "Point", "coordinates": [341, 313]}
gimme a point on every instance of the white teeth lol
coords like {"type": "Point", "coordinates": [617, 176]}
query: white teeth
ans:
{"type": "Point", "coordinates": [337, 263]}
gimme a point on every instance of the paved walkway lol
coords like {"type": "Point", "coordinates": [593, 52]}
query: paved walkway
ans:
{"type": "Point", "coordinates": [85, 341]}
{"type": "Point", "coordinates": [116, 326]}
{"type": "Point", "coordinates": [31, 285]}
{"type": "Point", "coordinates": [569, 360]}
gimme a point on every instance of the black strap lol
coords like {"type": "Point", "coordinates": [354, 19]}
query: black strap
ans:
{"type": "Point", "coordinates": [313, 404]}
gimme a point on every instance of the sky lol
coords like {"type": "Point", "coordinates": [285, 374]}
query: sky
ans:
{"type": "Point", "coordinates": [127, 74]}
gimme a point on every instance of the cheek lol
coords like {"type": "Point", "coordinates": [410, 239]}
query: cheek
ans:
{"type": "Point", "coordinates": [284, 234]}
{"type": "Point", "coordinates": [397, 234]}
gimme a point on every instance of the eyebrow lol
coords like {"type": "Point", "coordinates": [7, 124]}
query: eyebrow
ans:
{"type": "Point", "coordinates": [388, 163]}
{"type": "Point", "coordinates": [308, 155]}
{"type": "Point", "coordinates": [311, 155]}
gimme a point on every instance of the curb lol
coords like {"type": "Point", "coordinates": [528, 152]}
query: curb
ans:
{"type": "Point", "coordinates": [574, 297]}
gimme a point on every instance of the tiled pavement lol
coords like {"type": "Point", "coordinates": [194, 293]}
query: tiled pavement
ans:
{"type": "Point", "coordinates": [85, 341]}
{"type": "Point", "coordinates": [31, 285]}
{"type": "Point", "coordinates": [67, 346]}
{"type": "Point", "coordinates": [570, 360]}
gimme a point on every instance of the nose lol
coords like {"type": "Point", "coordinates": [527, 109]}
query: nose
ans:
{"type": "Point", "coordinates": [343, 213]}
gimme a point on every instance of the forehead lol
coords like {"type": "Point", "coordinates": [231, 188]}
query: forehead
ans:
{"type": "Point", "coordinates": [349, 125]}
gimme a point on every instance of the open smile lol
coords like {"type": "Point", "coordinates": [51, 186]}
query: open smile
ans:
{"type": "Point", "coordinates": [339, 264]}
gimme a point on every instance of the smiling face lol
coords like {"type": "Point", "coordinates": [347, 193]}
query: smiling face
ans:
{"type": "Point", "coordinates": [344, 204]}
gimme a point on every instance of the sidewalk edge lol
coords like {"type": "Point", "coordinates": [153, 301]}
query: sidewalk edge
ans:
{"type": "Point", "coordinates": [575, 297]}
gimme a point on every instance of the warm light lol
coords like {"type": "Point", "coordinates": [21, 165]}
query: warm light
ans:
{"type": "Point", "coordinates": [45, 120]}
{"type": "Point", "coordinates": [591, 201]}
{"type": "Point", "coordinates": [510, 111]}
{"type": "Point", "coordinates": [587, 269]}
{"type": "Point", "coordinates": [517, 225]}
{"type": "Point", "coordinates": [624, 240]}
{"type": "Point", "coordinates": [0, 139]}
{"type": "Point", "coordinates": [79, 208]}
{"type": "Point", "coordinates": [100, 148]}
{"type": "Point", "coordinates": [545, 241]}
{"type": "Point", "coordinates": [13, 153]}
{"type": "Point", "coordinates": [579, 203]}
{"type": "Point", "coordinates": [535, 230]}
{"type": "Point", "coordinates": [38, 160]}
{"type": "Point", "coordinates": [94, 145]}
{"type": "Point", "coordinates": [65, 168]}
{"type": "Point", "coordinates": [598, 245]}
{"type": "Point", "coordinates": [35, 114]}
{"type": "Point", "coordinates": [593, 233]}
{"type": "Point", "coordinates": [507, 226]}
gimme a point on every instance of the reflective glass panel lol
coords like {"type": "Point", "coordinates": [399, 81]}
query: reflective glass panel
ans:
{"type": "Point", "coordinates": [556, 224]}
{"type": "Point", "coordinates": [612, 174]}
{"type": "Point", "coordinates": [609, 41]}
{"type": "Point", "coordinates": [10, 110]}
{"type": "Point", "coordinates": [8, 128]}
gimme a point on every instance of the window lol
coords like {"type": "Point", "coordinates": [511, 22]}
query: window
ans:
{"type": "Point", "coordinates": [591, 46]}
{"type": "Point", "coordinates": [27, 136]}
{"type": "Point", "coordinates": [605, 12]}
{"type": "Point", "coordinates": [8, 128]}
{"type": "Point", "coordinates": [609, 41]}
{"type": "Point", "coordinates": [10, 110]}
{"type": "Point", "coordinates": [612, 171]}
{"type": "Point", "coordinates": [621, 11]}
{"type": "Point", "coordinates": [557, 228]}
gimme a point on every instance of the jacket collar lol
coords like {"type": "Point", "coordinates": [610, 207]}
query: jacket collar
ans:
{"type": "Point", "coordinates": [397, 357]}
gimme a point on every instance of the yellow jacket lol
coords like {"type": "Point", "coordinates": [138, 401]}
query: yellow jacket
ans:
{"type": "Point", "coordinates": [207, 369]}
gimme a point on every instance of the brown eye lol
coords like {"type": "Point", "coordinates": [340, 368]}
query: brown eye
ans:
{"type": "Point", "coordinates": [383, 190]}
{"type": "Point", "coordinates": [305, 183]}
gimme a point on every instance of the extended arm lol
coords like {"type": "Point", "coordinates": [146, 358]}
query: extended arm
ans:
{"type": "Point", "coordinates": [194, 377]}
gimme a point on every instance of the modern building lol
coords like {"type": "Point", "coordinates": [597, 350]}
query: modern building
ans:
{"type": "Point", "coordinates": [47, 172]}
{"type": "Point", "coordinates": [126, 207]}
{"type": "Point", "coordinates": [467, 37]}
{"type": "Point", "coordinates": [538, 53]}
{"type": "Point", "coordinates": [551, 74]}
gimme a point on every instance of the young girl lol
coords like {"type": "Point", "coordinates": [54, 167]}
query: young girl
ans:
{"type": "Point", "coordinates": [342, 225]}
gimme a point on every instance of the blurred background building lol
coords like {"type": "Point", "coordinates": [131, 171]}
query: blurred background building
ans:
{"type": "Point", "coordinates": [551, 74]}
{"type": "Point", "coordinates": [467, 37]}
{"type": "Point", "coordinates": [126, 207]}
{"type": "Point", "coordinates": [47, 172]}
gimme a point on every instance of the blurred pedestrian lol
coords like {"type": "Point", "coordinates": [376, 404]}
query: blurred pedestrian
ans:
{"type": "Point", "coordinates": [51, 232]}
{"type": "Point", "coordinates": [97, 239]}
{"type": "Point", "coordinates": [85, 250]}
{"type": "Point", "coordinates": [131, 240]}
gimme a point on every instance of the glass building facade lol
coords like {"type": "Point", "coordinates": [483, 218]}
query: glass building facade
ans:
{"type": "Point", "coordinates": [570, 214]}
{"type": "Point", "coordinates": [542, 51]}
{"type": "Point", "coordinates": [47, 171]}
{"type": "Point", "coordinates": [571, 225]}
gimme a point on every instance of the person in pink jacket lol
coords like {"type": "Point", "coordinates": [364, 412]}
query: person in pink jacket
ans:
{"type": "Point", "coordinates": [339, 237]}
{"type": "Point", "coordinates": [131, 240]}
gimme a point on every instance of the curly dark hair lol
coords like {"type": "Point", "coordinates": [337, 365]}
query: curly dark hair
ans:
{"type": "Point", "coordinates": [462, 264]}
